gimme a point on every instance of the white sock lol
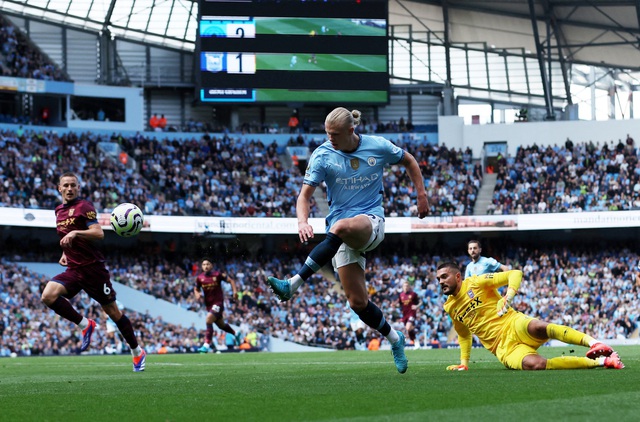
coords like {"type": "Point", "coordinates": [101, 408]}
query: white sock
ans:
{"type": "Point", "coordinates": [295, 282]}
{"type": "Point", "coordinates": [137, 351]}
{"type": "Point", "coordinates": [206, 345]}
{"type": "Point", "coordinates": [393, 336]}
{"type": "Point", "coordinates": [601, 360]}
{"type": "Point", "coordinates": [594, 341]}
{"type": "Point", "coordinates": [84, 323]}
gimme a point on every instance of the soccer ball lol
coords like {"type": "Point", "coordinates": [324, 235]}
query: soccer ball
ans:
{"type": "Point", "coordinates": [127, 220]}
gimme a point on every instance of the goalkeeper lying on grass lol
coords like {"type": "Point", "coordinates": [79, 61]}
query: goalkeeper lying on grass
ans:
{"type": "Point", "coordinates": [476, 307]}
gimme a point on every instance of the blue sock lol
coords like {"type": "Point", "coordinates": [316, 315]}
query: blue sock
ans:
{"type": "Point", "coordinates": [320, 255]}
{"type": "Point", "coordinates": [372, 316]}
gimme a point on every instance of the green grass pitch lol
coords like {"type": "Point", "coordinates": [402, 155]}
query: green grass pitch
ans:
{"type": "Point", "coordinates": [340, 386]}
{"type": "Point", "coordinates": [322, 62]}
{"type": "Point", "coordinates": [275, 95]}
{"type": "Point", "coordinates": [302, 26]}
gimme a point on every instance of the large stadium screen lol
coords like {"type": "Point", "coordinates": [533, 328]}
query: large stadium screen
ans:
{"type": "Point", "coordinates": [293, 51]}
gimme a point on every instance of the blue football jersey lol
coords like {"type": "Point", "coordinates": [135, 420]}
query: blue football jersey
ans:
{"type": "Point", "coordinates": [483, 266]}
{"type": "Point", "coordinates": [354, 179]}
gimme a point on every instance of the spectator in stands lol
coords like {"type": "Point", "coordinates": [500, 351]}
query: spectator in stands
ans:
{"type": "Point", "coordinates": [162, 123]}
{"type": "Point", "coordinates": [293, 122]}
{"type": "Point", "coordinates": [154, 122]}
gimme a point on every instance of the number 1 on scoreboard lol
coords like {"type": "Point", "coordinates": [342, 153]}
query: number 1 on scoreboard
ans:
{"type": "Point", "coordinates": [244, 63]}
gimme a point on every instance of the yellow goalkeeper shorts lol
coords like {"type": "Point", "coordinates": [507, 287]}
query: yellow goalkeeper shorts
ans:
{"type": "Point", "coordinates": [516, 342]}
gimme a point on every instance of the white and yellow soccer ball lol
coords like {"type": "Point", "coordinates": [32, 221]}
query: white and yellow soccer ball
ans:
{"type": "Point", "coordinates": [127, 220]}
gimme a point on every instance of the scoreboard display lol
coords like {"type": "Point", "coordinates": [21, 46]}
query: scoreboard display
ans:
{"type": "Point", "coordinates": [293, 51]}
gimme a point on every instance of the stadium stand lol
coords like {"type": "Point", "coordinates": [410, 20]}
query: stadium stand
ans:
{"type": "Point", "coordinates": [587, 177]}
{"type": "Point", "coordinates": [223, 175]}
{"type": "Point", "coordinates": [590, 289]}
{"type": "Point", "coordinates": [19, 57]}
{"type": "Point", "coordinates": [232, 175]}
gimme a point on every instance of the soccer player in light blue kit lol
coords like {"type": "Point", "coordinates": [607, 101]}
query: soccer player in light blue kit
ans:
{"type": "Point", "coordinates": [351, 165]}
{"type": "Point", "coordinates": [481, 264]}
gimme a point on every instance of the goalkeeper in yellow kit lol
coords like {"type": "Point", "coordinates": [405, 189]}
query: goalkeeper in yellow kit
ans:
{"type": "Point", "coordinates": [476, 307]}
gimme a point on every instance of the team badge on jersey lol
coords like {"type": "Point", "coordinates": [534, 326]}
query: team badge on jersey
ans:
{"type": "Point", "coordinates": [371, 161]}
{"type": "Point", "coordinates": [470, 294]}
{"type": "Point", "coordinates": [355, 163]}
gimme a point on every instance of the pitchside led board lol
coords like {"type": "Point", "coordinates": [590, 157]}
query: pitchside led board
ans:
{"type": "Point", "coordinates": [293, 51]}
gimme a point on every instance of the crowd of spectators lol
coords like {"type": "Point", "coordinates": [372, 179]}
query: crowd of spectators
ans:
{"type": "Point", "coordinates": [32, 162]}
{"type": "Point", "coordinates": [205, 176]}
{"type": "Point", "coordinates": [215, 176]}
{"type": "Point", "coordinates": [586, 176]}
{"type": "Point", "coordinates": [20, 58]}
{"type": "Point", "coordinates": [28, 328]}
{"type": "Point", "coordinates": [451, 179]}
{"type": "Point", "coordinates": [234, 176]}
{"type": "Point", "coordinates": [593, 290]}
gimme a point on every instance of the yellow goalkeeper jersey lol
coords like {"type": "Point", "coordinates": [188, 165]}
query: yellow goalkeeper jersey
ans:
{"type": "Point", "coordinates": [474, 309]}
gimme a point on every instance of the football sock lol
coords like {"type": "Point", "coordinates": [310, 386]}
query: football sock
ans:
{"type": "Point", "coordinates": [591, 340]}
{"type": "Point", "coordinates": [372, 316]}
{"type": "Point", "coordinates": [208, 334]}
{"type": "Point", "coordinates": [393, 336]}
{"type": "Point", "coordinates": [227, 328]}
{"type": "Point", "coordinates": [412, 335]}
{"type": "Point", "coordinates": [296, 282]}
{"type": "Point", "coordinates": [566, 334]}
{"type": "Point", "coordinates": [573, 362]}
{"type": "Point", "coordinates": [136, 351]}
{"type": "Point", "coordinates": [62, 307]}
{"type": "Point", "coordinates": [320, 256]}
{"type": "Point", "coordinates": [84, 323]}
{"type": "Point", "coordinates": [125, 327]}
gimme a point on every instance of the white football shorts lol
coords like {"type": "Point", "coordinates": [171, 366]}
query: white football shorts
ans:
{"type": "Point", "coordinates": [347, 255]}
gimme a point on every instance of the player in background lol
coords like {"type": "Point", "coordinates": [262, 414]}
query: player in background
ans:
{"type": "Point", "coordinates": [409, 303]}
{"type": "Point", "coordinates": [293, 61]}
{"type": "Point", "coordinates": [476, 307]}
{"type": "Point", "coordinates": [480, 264]}
{"type": "Point", "coordinates": [78, 229]}
{"type": "Point", "coordinates": [352, 166]}
{"type": "Point", "coordinates": [209, 285]}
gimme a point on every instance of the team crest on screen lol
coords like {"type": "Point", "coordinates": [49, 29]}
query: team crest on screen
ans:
{"type": "Point", "coordinates": [355, 163]}
{"type": "Point", "coordinates": [71, 211]}
{"type": "Point", "coordinates": [470, 294]}
{"type": "Point", "coordinates": [371, 161]}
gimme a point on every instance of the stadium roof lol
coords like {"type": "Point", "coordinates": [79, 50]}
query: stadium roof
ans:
{"type": "Point", "coordinates": [598, 32]}
{"type": "Point", "coordinates": [604, 34]}
{"type": "Point", "coordinates": [171, 23]}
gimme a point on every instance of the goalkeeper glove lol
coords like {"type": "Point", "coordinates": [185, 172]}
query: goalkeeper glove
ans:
{"type": "Point", "coordinates": [505, 303]}
{"type": "Point", "coordinates": [457, 368]}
